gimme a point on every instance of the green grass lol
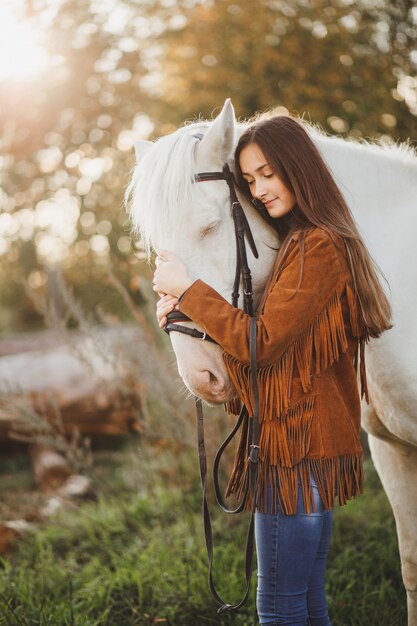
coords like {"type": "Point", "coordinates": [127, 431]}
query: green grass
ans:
{"type": "Point", "coordinates": [136, 556]}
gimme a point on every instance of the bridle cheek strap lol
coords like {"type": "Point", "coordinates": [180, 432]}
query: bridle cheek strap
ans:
{"type": "Point", "coordinates": [242, 272]}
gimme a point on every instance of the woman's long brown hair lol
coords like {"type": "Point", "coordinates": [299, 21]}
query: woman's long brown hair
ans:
{"type": "Point", "coordinates": [292, 155]}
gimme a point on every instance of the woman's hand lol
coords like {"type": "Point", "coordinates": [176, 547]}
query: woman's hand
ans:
{"type": "Point", "coordinates": [164, 306]}
{"type": "Point", "coordinates": [170, 277]}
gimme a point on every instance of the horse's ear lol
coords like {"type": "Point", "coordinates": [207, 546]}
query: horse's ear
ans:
{"type": "Point", "coordinates": [219, 139]}
{"type": "Point", "coordinates": [141, 147]}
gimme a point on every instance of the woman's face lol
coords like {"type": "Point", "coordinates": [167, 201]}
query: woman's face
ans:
{"type": "Point", "coordinates": [263, 183]}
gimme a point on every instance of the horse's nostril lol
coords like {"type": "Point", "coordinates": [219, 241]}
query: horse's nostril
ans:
{"type": "Point", "coordinates": [210, 385]}
{"type": "Point", "coordinates": [216, 384]}
{"type": "Point", "coordinates": [213, 379]}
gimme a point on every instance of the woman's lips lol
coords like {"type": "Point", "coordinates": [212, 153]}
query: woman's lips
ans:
{"type": "Point", "coordinates": [269, 201]}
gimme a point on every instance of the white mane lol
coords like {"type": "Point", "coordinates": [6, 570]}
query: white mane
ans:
{"type": "Point", "coordinates": [399, 153]}
{"type": "Point", "coordinates": [162, 183]}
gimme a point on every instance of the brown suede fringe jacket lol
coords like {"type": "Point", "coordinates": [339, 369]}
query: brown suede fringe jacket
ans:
{"type": "Point", "coordinates": [310, 333]}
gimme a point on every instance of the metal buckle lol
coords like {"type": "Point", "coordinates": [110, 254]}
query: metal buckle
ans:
{"type": "Point", "coordinates": [254, 453]}
{"type": "Point", "coordinates": [204, 335]}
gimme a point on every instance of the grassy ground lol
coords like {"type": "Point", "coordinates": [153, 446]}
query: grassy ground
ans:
{"type": "Point", "coordinates": [136, 555]}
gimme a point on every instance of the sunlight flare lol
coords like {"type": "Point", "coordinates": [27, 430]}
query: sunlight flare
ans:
{"type": "Point", "coordinates": [21, 54]}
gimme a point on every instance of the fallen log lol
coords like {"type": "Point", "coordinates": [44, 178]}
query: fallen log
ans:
{"type": "Point", "coordinates": [78, 377]}
{"type": "Point", "coordinates": [53, 474]}
{"type": "Point", "coordinates": [50, 468]}
{"type": "Point", "coordinates": [8, 537]}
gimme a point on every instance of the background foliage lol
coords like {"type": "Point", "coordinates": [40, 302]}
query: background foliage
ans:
{"type": "Point", "coordinates": [120, 70]}
{"type": "Point", "coordinates": [137, 556]}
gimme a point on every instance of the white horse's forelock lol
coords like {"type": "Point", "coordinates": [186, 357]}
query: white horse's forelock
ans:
{"type": "Point", "coordinates": [161, 186]}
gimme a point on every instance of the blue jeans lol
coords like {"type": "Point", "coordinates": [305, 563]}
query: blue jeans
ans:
{"type": "Point", "coordinates": [291, 553]}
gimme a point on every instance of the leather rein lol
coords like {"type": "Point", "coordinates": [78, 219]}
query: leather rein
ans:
{"type": "Point", "coordinates": [250, 426]}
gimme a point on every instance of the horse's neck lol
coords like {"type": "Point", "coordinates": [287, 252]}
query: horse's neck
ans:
{"type": "Point", "coordinates": [380, 186]}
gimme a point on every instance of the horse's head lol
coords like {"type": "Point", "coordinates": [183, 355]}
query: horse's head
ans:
{"type": "Point", "coordinates": [194, 221]}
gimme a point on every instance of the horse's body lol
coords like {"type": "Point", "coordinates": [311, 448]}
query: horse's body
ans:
{"type": "Point", "coordinates": [194, 221]}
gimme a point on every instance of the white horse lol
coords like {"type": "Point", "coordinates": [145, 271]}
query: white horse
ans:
{"type": "Point", "coordinates": [194, 221]}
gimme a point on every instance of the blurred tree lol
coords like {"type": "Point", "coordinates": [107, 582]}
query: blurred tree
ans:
{"type": "Point", "coordinates": [395, 33]}
{"type": "Point", "coordinates": [395, 30]}
{"type": "Point", "coordinates": [328, 61]}
{"type": "Point", "coordinates": [121, 70]}
{"type": "Point", "coordinates": [66, 137]}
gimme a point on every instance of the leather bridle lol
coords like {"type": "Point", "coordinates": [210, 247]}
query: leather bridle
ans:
{"type": "Point", "coordinates": [242, 271]}
{"type": "Point", "coordinates": [250, 426]}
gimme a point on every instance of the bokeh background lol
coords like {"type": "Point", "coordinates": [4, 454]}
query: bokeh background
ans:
{"type": "Point", "coordinates": [80, 81]}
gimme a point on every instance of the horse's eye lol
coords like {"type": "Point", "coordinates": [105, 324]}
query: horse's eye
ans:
{"type": "Point", "coordinates": [210, 228]}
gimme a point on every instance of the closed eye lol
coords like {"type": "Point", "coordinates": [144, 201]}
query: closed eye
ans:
{"type": "Point", "coordinates": [250, 182]}
{"type": "Point", "coordinates": [210, 228]}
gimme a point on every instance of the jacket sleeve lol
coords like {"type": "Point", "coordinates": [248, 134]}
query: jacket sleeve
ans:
{"type": "Point", "coordinates": [290, 308]}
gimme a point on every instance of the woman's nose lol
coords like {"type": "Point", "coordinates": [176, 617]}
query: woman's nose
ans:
{"type": "Point", "coordinates": [259, 189]}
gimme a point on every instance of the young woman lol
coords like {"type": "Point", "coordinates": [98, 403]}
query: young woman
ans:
{"type": "Point", "coordinates": [322, 303]}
